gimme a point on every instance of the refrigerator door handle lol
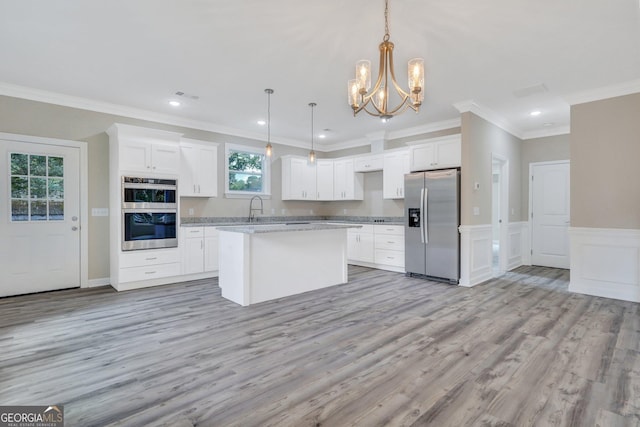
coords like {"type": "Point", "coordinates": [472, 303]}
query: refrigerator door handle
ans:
{"type": "Point", "coordinates": [425, 215]}
{"type": "Point", "coordinates": [423, 194]}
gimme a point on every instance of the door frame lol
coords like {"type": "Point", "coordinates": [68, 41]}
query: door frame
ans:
{"type": "Point", "coordinates": [529, 254]}
{"type": "Point", "coordinates": [504, 209]}
{"type": "Point", "coordinates": [84, 184]}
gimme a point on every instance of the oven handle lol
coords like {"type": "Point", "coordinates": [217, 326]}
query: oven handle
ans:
{"type": "Point", "coordinates": [151, 211]}
{"type": "Point", "coordinates": [149, 186]}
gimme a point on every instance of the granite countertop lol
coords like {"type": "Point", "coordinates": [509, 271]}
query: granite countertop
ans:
{"type": "Point", "coordinates": [235, 221]}
{"type": "Point", "coordinates": [293, 226]}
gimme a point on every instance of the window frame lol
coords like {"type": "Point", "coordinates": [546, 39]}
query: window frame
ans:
{"type": "Point", "coordinates": [266, 172]}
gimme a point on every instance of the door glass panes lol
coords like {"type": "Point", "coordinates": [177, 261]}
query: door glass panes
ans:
{"type": "Point", "coordinates": [37, 187]}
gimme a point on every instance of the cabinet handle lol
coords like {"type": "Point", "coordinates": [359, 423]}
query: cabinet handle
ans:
{"type": "Point", "coordinates": [154, 167]}
{"type": "Point", "coordinates": [194, 188]}
{"type": "Point", "coordinates": [149, 272]}
{"type": "Point", "coordinates": [198, 188]}
{"type": "Point", "coordinates": [151, 259]}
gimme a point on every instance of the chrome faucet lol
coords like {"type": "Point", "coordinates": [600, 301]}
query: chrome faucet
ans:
{"type": "Point", "coordinates": [251, 208]}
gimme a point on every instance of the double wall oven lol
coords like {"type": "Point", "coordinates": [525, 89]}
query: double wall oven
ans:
{"type": "Point", "coordinates": [149, 213]}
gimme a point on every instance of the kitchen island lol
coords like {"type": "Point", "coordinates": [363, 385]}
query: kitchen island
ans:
{"type": "Point", "coordinates": [265, 262]}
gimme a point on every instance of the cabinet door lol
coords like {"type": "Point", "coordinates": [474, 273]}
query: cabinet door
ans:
{"type": "Point", "coordinates": [165, 159]}
{"type": "Point", "coordinates": [207, 184]}
{"type": "Point", "coordinates": [360, 247]}
{"type": "Point", "coordinates": [339, 173]}
{"type": "Point", "coordinates": [423, 157]}
{"type": "Point", "coordinates": [449, 154]}
{"type": "Point", "coordinates": [324, 179]}
{"type": "Point", "coordinates": [188, 171]}
{"type": "Point", "coordinates": [135, 156]}
{"type": "Point", "coordinates": [193, 255]}
{"type": "Point", "coordinates": [211, 253]}
{"type": "Point", "coordinates": [396, 165]}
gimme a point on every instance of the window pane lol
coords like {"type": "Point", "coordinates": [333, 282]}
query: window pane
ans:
{"type": "Point", "coordinates": [243, 161]}
{"type": "Point", "coordinates": [39, 210]}
{"type": "Point", "coordinates": [38, 188]}
{"type": "Point", "coordinates": [38, 166]}
{"type": "Point", "coordinates": [19, 210]}
{"type": "Point", "coordinates": [56, 166]}
{"type": "Point", "coordinates": [19, 164]}
{"type": "Point", "coordinates": [19, 187]}
{"type": "Point", "coordinates": [56, 188]}
{"type": "Point", "coordinates": [245, 182]}
{"type": "Point", "coordinates": [56, 211]}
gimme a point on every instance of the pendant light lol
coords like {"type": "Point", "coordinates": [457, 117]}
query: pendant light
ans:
{"type": "Point", "coordinates": [269, 147]}
{"type": "Point", "coordinates": [312, 154]}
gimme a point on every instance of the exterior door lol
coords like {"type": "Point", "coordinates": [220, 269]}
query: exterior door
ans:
{"type": "Point", "coordinates": [39, 217]}
{"type": "Point", "coordinates": [550, 214]}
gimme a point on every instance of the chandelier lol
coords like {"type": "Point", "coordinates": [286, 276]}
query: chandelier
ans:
{"type": "Point", "coordinates": [376, 101]}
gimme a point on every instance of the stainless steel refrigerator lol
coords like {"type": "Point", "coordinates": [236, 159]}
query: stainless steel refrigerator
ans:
{"type": "Point", "coordinates": [432, 217]}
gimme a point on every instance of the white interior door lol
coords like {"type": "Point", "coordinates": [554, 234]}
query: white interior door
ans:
{"type": "Point", "coordinates": [550, 214]}
{"type": "Point", "coordinates": [39, 217]}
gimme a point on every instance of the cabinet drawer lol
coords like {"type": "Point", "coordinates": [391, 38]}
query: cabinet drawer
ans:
{"type": "Point", "coordinates": [134, 274]}
{"type": "Point", "coordinates": [387, 257]}
{"type": "Point", "coordinates": [192, 231]}
{"type": "Point", "coordinates": [396, 230]}
{"type": "Point", "coordinates": [211, 232]}
{"type": "Point", "coordinates": [149, 257]}
{"type": "Point", "coordinates": [365, 229]}
{"type": "Point", "coordinates": [389, 241]}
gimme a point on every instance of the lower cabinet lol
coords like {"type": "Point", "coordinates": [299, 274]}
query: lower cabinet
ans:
{"type": "Point", "coordinates": [378, 246]}
{"type": "Point", "coordinates": [199, 250]}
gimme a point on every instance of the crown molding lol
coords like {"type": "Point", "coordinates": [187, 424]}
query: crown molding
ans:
{"type": "Point", "coordinates": [38, 95]}
{"type": "Point", "coordinates": [428, 128]}
{"type": "Point", "coordinates": [325, 148]}
{"type": "Point", "coordinates": [542, 133]}
{"type": "Point", "coordinates": [489, 115]}
{"type": "Point", "coordinates": [612, 91]}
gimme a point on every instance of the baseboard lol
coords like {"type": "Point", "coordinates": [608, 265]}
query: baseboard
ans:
{"type": "Point", "coordinates": [475, 254]}
{"type": "Point", "coordinates": [95, 283]}
{"type": "Point", "coordinates": [605, 262]}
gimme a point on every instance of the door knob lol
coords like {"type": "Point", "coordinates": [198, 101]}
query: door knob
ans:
{"type": "Point", "coordinates": [74, 228]}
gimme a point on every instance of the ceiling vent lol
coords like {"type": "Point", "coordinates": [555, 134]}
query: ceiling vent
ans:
{"type": "Point", "coordinates": [530, 90]}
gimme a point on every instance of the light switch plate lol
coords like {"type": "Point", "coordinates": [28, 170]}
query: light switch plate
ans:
{"type": "Point", "coordinates": [476, 211]}
{"type": "Point", "coordinates": [99, 211]}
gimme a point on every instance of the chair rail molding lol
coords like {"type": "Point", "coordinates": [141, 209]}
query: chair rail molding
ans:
{"type": "Point", "coordinates": [605, 262]}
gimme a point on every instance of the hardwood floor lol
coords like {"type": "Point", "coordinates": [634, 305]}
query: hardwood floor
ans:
{"type": "Point", "coordinates": [383, 350]}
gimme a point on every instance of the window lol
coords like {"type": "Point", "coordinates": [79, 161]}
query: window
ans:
{"type": "Point", "coordinates": [247, 171]}
{"type": "Point", "coordinates": [37, 187]}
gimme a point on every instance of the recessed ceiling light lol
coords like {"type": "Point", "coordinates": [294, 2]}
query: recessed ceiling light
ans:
{"type": "Point", "coordinates": [535, 113]}
{"type": "Point", "coordinates": [262, 122]}
{"type": "Point", "coordinates": [174, 103]}
{"type": "Point", "coordinates": [322, 136]}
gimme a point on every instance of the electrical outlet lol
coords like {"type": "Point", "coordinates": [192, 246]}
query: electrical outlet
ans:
{"type": "Point", "coordinates": [99, 211]}
{"type": "Point", "coordinates": [273, 211]}
{"type": "Point", "coordinates": [190, 211]}
{"type": "Point", "coordinates": [344, 211]}
{"type": "Point", "coordinates": [476, 211]}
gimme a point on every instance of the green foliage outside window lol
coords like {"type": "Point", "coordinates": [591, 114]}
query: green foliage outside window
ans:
{"type": "Point", "coordinates": [245, 171]}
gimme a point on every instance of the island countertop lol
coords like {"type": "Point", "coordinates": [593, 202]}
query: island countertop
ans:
{"type": "Point", "coordinates": [286, 227]}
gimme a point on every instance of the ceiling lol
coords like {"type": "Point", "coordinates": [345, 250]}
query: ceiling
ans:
{"type": "Point", "coordinates": [133, 56]}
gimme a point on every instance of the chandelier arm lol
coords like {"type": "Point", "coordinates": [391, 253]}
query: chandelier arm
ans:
{"type": "Point", "coordinates": [400, 91]}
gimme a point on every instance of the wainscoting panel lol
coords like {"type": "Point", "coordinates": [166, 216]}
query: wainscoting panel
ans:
{"type": "Point", "coordinates": [517, 235]}
{"type": "Point", "coordinates": [605, 262]}
{"type": "Point", "coordinates": [475, 254]}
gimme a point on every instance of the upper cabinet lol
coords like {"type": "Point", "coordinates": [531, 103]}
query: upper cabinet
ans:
{"type": "Point", "coordinates": [298, 179]}
{"type": "Point", "coordinates": [396, 165]}
{"type": "Point", "coordinates": [324, 179]}
{"type": "Point", "coordinates": [144, 151]}
{"type": "Point", "coordinates": [199, 168]}
{"type": "Point", "coordinates": [438, 153]}
{"type": "Point", "coordinates": [368, 163]}
{"type": "Point", "coordinates": [347, 184]}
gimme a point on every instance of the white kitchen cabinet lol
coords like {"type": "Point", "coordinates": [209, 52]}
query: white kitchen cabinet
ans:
{"type": "Point", "coordinates": [442, 153]}
{"type": "Point", "coordinates": [298, 179]}
{"type": "Point", "coordinates": [368, 163]}
{"type": "Point", "coordinates": [324, 179]}
{"type": "Point", "coordinates": [396, 165]}
{"type": "Point", "coordinates": [347, 184]}
{"type": "Point", "coordinates": [149, 158]}
{"type": "Point", "coordinates": [145, 266]}
{"type": "Point", "coordinates": [389, 247]}
{"type": "Point", "coordinates": [360, 247]}
{"type": "Point", "coordinates": [199, 249]}
{"type": "Point", "coordinates": [199, 169]}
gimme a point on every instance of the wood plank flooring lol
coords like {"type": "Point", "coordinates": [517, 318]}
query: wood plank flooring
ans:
{"type": "Point", "coordinates": [382, 350]}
